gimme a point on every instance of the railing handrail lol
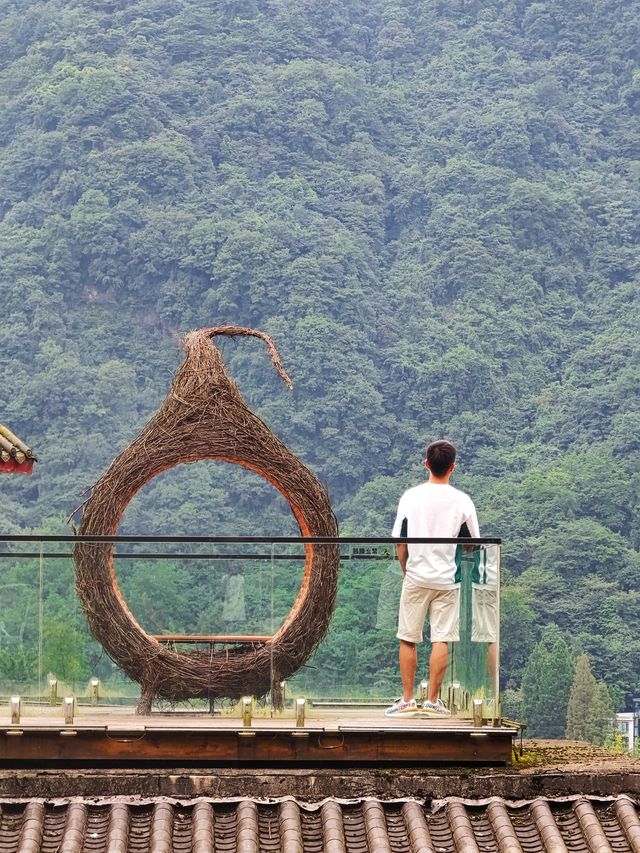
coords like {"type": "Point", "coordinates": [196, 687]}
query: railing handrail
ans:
{"type": "Point", "coordinates": [275, 540]}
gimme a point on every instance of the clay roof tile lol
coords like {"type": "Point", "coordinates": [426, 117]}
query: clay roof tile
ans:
{"type": "Point", "coordinates": [203, 826]}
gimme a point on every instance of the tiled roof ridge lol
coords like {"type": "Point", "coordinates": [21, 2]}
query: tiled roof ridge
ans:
{"type": "Point", "coordinates": [434, 804]}
{"type": "Point", "coordinates": [367, 825]}
{"type": "Point", "coordinates": [13, 445]}
{"type": "Point", "coordinates": [15, 455]}
{"type": "Point", "coordinates": [581, 824]}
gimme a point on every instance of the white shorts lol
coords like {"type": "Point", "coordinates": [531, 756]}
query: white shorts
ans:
{"type": "Point", "coordinates": [484, 615]}
{"type": "Point", "coordinates": [443, 607]}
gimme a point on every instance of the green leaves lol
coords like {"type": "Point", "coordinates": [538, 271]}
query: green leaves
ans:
{"type": "Point", "coordinates": [431, 206]}
{"type": "Point", "coordinates": [546, 684]}
{"type": "Point", "coordinates": [590, 711]}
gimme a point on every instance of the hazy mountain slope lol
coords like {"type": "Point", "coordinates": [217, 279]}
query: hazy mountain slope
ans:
{"type": "Point", "coordinates": [431, 206]}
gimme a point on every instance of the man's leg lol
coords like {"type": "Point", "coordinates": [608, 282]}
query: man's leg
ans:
{"type": "Point", "coordinates": [444, 613]}
{"type": "Point", "coordinates": [438, 662]}
{"type": "Point", "coordinates": [414, 601]}
{"type": "Point", "coordinates": [408, 664]}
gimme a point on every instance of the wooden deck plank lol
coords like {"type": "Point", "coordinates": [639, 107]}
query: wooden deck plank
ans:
{"type": "Point", "coordinates": [339, 737]}
{"type": "Point", "coordinates": [343, 721]}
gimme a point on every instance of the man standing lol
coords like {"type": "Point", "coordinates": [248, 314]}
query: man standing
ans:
{"type": "Point", "coordinates": [431, 583]}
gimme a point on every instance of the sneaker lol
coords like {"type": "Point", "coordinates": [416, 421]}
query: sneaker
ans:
{"type": "Point", "coordinates": [401, 708]}
{"type": "Point", "coordinates": [437, 708]}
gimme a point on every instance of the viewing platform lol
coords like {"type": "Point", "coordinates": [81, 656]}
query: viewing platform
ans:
{"type": "Point", "coordinates": [345, 736]}
{"type": "Point", "coordinates": [65, 702]}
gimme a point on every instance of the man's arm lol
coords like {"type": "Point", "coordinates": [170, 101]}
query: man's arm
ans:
{"type": "Point", "coordinates": [399, 531]}
{"type": "Point", "coordinates": [464, 531]}
{"type": "Point", "coordinates": [403, 554]}
{"type": "Point", "coordinates": [472, 522]}
{"type": "Point", "coordinates": [470, 527]}
{"type": "Point", "coordinates": [402, 550]}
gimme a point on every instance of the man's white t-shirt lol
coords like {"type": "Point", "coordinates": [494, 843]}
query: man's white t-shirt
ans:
{"type": "Point", "coordinates": [432, 511]}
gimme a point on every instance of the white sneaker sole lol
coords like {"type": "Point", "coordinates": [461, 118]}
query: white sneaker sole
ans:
{"type": "Point", "coordinates": [406, 712]}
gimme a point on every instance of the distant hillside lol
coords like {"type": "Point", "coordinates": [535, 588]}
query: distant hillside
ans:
{"type": "Point", "coordinates": [431, 206]}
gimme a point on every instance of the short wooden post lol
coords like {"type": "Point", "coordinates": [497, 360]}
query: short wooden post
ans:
{"type": "Point", "coordinates": [15, 710]}
{"type": "Point", "coordinates": [247, 708]}
{"type": "Point", "coordinates": [69, 710]}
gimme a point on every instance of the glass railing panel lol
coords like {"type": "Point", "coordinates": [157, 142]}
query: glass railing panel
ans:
{"type": "Point", "coordinates": [73, 664]}
{"type": "Point", "coordinates": [356, 671]}
{"type": "Point", "coordinates": [288, 562]}
{"type": "Point", "coordinates": [219, 590]}
{"type": "Point", "coordinates": [356, 665]}
{"type": "Point", "coordinates": [474, 659]}
{"type": "Point", "coordinates": [197, 597]}
{"type": "Point", "coordinates": [20, 624]}
{"type": "Point", "coordinates": [199, 589]}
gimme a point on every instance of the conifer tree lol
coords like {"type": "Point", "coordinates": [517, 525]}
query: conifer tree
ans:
{"type": "Point", "coordinates": [581, 700]}
{"type": "Point", "coordinates": [546, 683]}
{"type": "Point", "coordinates": [601, 717]}
{"type": "Point", "coordinates": [590, 711]}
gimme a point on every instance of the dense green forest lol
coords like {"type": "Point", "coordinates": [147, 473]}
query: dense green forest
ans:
{"type": "Point", "coordinates": [431, 206]}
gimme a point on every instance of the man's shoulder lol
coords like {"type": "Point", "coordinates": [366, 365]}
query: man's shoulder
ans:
{"type": "Point", "coordinates": [462, 497]}
{"type": "Point", "coordinates": [414, 492]}
{"type": "Point", "coordinates": [460, 492]}
{"type": "Point", "coordinates": [422, 490]}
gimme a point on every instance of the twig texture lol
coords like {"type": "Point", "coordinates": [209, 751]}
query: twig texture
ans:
{"type": "Point", "coordinates": [205, 417]}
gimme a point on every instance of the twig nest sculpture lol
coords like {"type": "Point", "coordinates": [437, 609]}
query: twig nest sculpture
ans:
{"type": "Point", "coordinates": [205, 417]}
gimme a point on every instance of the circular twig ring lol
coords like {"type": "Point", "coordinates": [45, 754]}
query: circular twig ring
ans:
{"type": "Point", "coordinates": [205, 417]}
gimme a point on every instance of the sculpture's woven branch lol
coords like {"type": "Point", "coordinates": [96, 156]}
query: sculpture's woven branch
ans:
{"type": "Point", "coordinates": [207, 418]}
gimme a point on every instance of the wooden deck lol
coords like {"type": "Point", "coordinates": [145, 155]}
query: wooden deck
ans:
{"type": "Point", "coordinates": [329, 736]}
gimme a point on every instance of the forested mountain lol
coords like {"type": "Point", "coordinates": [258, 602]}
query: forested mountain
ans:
{"type": "Point", "coordinates": [431, 205]}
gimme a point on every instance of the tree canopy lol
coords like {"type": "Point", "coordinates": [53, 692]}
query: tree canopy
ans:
{"type": "Point", "coordinates": [431, 207]}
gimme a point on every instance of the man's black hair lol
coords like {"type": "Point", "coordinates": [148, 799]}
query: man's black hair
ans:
{"type": "Point", "coordinates": [440, 455]}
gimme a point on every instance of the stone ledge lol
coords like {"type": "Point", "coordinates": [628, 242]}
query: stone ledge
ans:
{"type": "Point", "coordinates": [547, 769]}
{"type": "Point", "coordinates": [311, 786]}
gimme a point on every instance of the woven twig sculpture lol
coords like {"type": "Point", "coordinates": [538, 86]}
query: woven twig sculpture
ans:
{"type": "Point", "coordinates": [205, 417]}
